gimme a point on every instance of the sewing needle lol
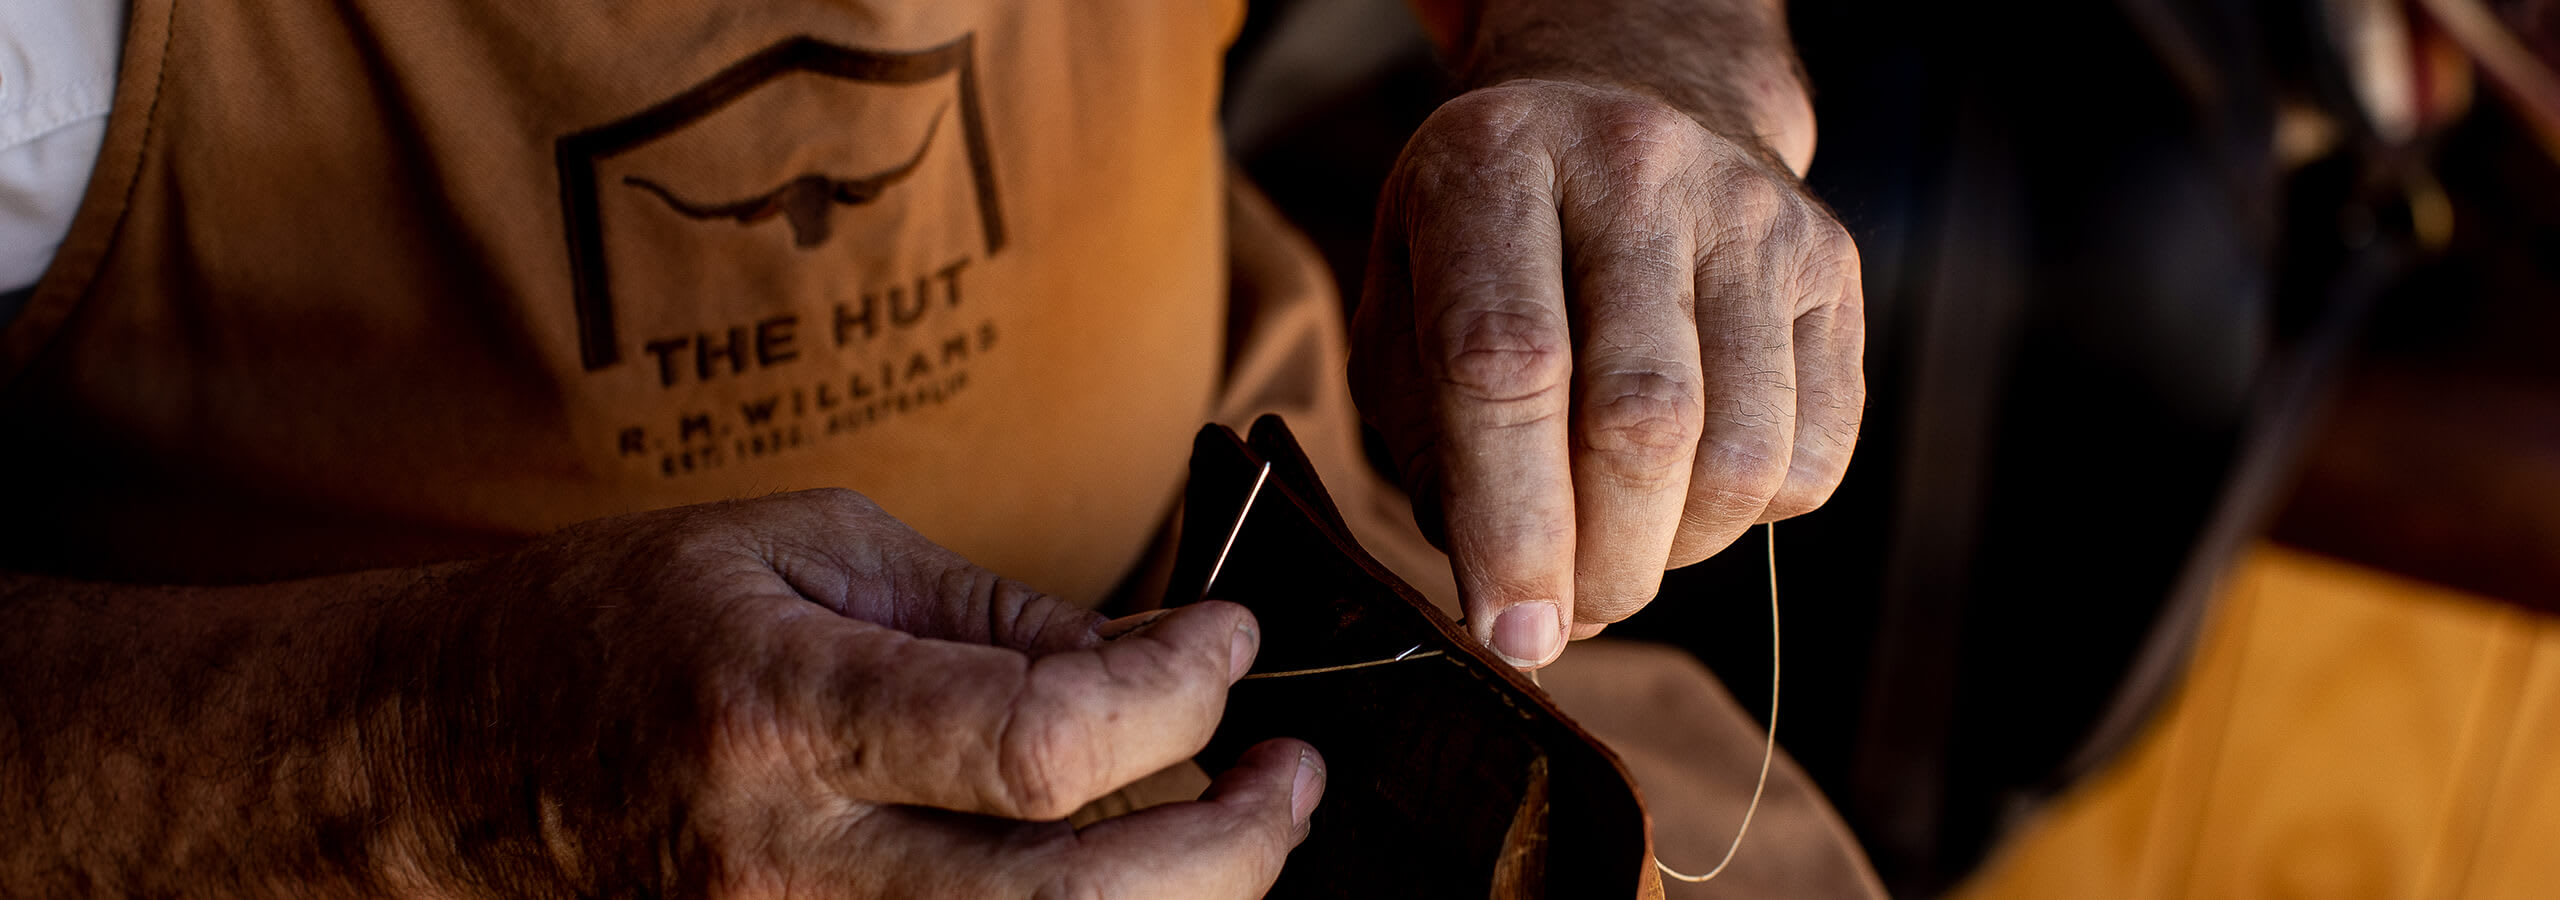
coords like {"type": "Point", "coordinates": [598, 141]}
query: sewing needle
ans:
{"type": "Point", "coordinates": [1236, 529]}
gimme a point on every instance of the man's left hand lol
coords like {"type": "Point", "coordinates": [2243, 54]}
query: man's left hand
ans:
{"type": "Point", "coordinates": [1602, 341]}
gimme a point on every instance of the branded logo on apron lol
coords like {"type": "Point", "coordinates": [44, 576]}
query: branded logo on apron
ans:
{"type": "Point", "coordinates": [784, 245]}
{"type": "Point", "coordinates": [807, 202]}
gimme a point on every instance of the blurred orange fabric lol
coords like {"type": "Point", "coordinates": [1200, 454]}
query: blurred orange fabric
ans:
{"type": "Point", "coordinates": [2343, 733]}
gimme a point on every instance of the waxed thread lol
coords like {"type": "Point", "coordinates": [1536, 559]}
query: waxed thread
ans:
{"type": "Point", "coordinates": [1319, 670]}
{"type": "Point", "coordinates": [1768, 750]}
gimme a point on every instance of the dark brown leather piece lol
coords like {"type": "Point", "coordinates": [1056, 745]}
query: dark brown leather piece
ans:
{"type": "Point", "coordinates": [1450, 776]}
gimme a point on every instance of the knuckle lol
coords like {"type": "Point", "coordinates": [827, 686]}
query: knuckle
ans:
{"type": "Point", "coordinates": [1737, 476]}
{"type": "Point", "coordinates": [1643, 425]}
{"type": "Point", "coordinates": [1645, 124]}
{"type": "Point", "coordinates": [1646, 140]}
{"type": "Point", "coordinates": [1817, 469]}
{"type": "Point", "coordinates": [1826, 258]}
{"type": "Point", "coordinates": [1471, 140]}
{"type": "Point", "coordinates": [1506, 355]}
{"type": "Point", "coordinates": [1039, 774]}
{"type": "Point", "coordinates": [1749, 220]}
{"type": "Point", "coordinates": [1802, 494]}
{"type": "Point", "coordinates": [1499, 112]}
{"type": "Point", "coordinates": [1831, 242]}
{"type": "Point", "coordinates": [1747, 194]}
{"type": "Point", "coordinates": [1047, 757]}
{"type": "Point", "coordinates": [836, 504]}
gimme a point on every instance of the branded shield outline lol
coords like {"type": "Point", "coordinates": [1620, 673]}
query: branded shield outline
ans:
{"type": "Point", "coordinates": [598, 345]}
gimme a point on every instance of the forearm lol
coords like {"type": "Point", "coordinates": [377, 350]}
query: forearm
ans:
{"type": "Point", "coordinates": [213, 741]}
{"type": "Point", "coordinates": [1728, 63]}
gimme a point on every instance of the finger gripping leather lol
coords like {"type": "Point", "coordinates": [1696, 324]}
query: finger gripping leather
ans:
{"type": "Point", "coordinates": [1450, 776]}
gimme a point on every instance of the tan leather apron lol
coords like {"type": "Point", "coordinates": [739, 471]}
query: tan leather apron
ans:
{"type": "Point", "coordinates": [366, 283]}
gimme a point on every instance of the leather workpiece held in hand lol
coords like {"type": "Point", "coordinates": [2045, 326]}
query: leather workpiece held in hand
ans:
{"type": "Point", "coordinates": [1448, 775]}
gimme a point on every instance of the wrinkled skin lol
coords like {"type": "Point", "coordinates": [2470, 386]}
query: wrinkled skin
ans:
{"type": "Point", "coordinates": [794, 696]}
{"type": "Point", "coordinates": [1601, 340]}
{"type": "Point", "coordinates": [832, 706]}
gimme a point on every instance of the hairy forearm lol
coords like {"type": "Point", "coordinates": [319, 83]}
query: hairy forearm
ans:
{"type": "Point", "coordinates": [1728, 63]}
{"type": "Point", "coordinates": [216, 741]}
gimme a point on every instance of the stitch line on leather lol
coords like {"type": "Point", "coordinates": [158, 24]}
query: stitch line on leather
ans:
{"type": "Point", "coordinates": [1505, 696]}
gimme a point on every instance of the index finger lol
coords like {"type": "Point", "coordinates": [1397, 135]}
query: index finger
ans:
{"type": "Point", "coordinates": [1487, 261]}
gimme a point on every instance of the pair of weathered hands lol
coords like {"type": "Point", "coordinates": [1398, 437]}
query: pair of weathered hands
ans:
{"type": "Point", "coordinates": [1601, 340]}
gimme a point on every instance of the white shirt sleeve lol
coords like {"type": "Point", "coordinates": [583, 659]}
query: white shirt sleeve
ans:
{"type": "Point", "coordinates": [57, 80]}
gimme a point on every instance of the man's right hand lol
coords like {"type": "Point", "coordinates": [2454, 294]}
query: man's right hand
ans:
{"type": "Point", "coordinates": [788, 696]}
